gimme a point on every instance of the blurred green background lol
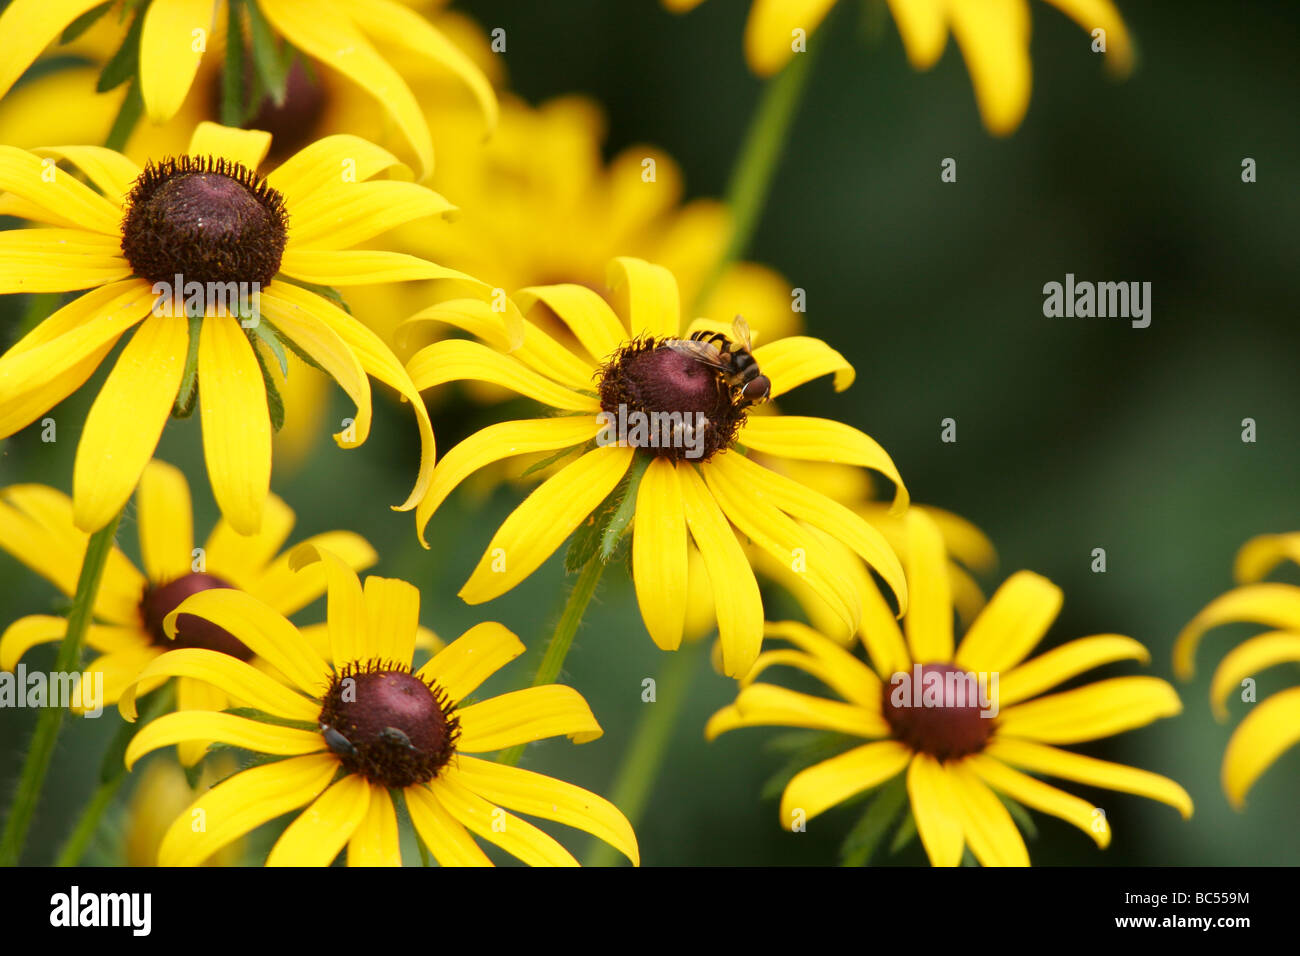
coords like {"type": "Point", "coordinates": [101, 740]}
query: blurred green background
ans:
{"type": "Point", "coordinates": [1073, 434]}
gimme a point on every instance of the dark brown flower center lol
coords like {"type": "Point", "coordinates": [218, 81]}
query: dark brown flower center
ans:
{"type": "Point", "coordinates": [939, 712]}
{"type": "Point", "coordinates": [388, 725]}
{"type": "Point", "coordinates": [159, 600]}
{"type": "Point", "coordinates": [206, 220]}
{"type": "Point", "coordinates": [682, 407]}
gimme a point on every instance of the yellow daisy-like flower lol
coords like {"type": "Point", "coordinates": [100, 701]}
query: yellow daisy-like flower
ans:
{"type": "Point", "coordinates": [361, 725]}
{"type": "Point", "coordinates": [160, 795]}
{"type": "Point", "coordinates": [1273, 725]}
{"type": "Point", "coordinates": [208, 219]}
{"type": "Point", "coordinates": [993, 36]}
{"type": "Point", "coordinates": [955, 748]}
{"type": "Point", "coordinates": [174, 35]}
{"type": "Point", "coordinates": [36, 527]}
{"type": "Point", "coordinates": [696, 481]}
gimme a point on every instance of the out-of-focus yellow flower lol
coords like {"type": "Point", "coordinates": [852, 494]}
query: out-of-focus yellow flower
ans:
{"type": "Point", "coordinates": [159, 798]}
{"type": "Point", "coordinates": [960, 719]}
{"type": "Point", "coordinates": [380, 730]}
{"type": "Point", "coordinates": [176, 36]}
{"type": "Point", "coordinates": [1273, 725]}
{"type": "Point", "coordinates": [993, 36]}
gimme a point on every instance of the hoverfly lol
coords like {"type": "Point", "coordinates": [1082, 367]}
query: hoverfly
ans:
{"type": "Point", "coordinates": [732, 357]}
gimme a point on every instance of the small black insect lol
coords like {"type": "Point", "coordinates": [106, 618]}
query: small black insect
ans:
{"type": "Point", "coordinates": [337, 742]}
{"type": "Point", "coordinates": [395, 736]}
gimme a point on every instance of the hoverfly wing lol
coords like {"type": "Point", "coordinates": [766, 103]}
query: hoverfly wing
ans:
{"type": "Point", "coordinates": [741, 330]}
{"type": "Point", "coordinates": [700, 351]}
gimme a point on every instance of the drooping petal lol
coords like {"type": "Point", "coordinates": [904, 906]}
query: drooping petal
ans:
{"type": "Point", "coordinates": [465, 663]}
{"type": "Point", "coordinates": [994, 40]}
{"type": "Point", "coordinates": [127, 419]}
{"type": "Point", "coordinates": [241, 558]}
{"type": "Point", "coordinates": [770, 31]}
{"type": "Point", "coordinates": [659, 554]}
{"type": "Point", "coordinates": [241, 804]}
{"type": "Point", "coordinates": [376, 841]}
{"type": "Point", "coordinates": [986, 823]}
{"type": "Point", "coordinates": [1270, 728]}
{"type": "Point", "coordinates": [523, 716]}
{"type": "Point", "coordinates": [171, 46]}
{"type": "Point", "coordinates": [1041, 796]}
{"type": "Point", "coordinates": [318, 166]}
{"type": "Point", "coordinates": [1069, 660]}
{"type": "Point", "coordinates": [166, 521]}
{"type": "Point", "coordinates": [835, 667]}
{"type": "Point", "coordinates": [517, 837]}
{"type": "Point", "coordinates": [222, 728]}
{"type": "Point", "coordinates": [108, 169]}
{"type": "Point", "coordinates": [1095, 14]}
{"type": "Point", "coordinates": [1054, 762]}
{"type": "Point", "coordinates": [934, 807]}
{"type": "Point", "coordinates": [236, 422]}
{"type": "Point", "coordinates": [1013, 622]}
{"type": "Point", "coordinates": [584, 311]}
{"type": "Point", "coordinates": [1262, 553]}
{"type": "Point", "coordinates": [650, 295]}
{"type": "Point", "coordinates": [65, 200]}
{"type": "Point", "coordinates": [319, 833]}
{"type": "Point", "coordinates": [544, 520]}
{"type": "Point", "coordinates": [58, 260]}
{"type": "Point", "coordinates": [442, 834]}
{"type": "Point", "coordinates": [766, 705]}
{"type": "Point", "coordinates": [28, 27]}
{"type": "Point", "coordinates": [288, 591]}
{"type": "Point", "coordinates": [455, 360]}
{"type": "Point", "coordinates": [1247, 659]}
{"type": "Point", "coordinates": [541, 796]}
{"type": "Point", "coordinates": [833, 781]}
{"type": "Point", "coordinates": [241, 681]}
{"type": "Point", "coordinates": [1096, 710]}
{"type": "Point", "coordinates": [1273, 605]}
{"type": "Point", "coordinates": [797, 359]}
{"type": "Point", "coordinates": [929, 617]}
{"type": "Point", "coordinates": [923, 27]}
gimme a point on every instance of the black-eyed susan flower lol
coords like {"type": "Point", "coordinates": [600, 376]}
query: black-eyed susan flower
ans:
{"type": "Point", "coordinates": [160, 794]}
{"type": "Point", "coordinates": [360, 40]}
{"type": "Point", "coordinates": [36, 527]}
{"type": "Point", "coordinates": [359, 727]}
{"type": "Point", "coordinates": [693, 476]}
{"type": "Point", "coordinates": [1273, 725]}
{"type": "Point", "coordinates": [993, 36]}
{"type": "Point", "coordinates": [165, 252]}
{"type": "Point", "coordinates": [963, 722]}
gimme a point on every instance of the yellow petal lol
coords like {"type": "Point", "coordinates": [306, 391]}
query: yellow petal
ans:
{"type": "Point", "coordinates": [1054, 762]}
{"type": "Point", "coordinates": [27, 632]}
{"type": "Point", "coordinates": [766, 705]}
{"type": "Point", "coordinates": [392, 618]}
{"type": "Point", "coordinates": [465, 663]}
{"type": "Point", "coordinates": [550, 799]}
{"type": "Point", "coordinates": [648, 296]}
{"type": "Point", "coordinates": [1273, 605]}
{"type": "Point", "coordinates": [264, 632]}
{"type": "Point", "coordinates": [67, 200]}
{"type": "Point", "coordinates": [201, 696]}
{"type": "Point", "coordinates": [345, 267]}
{"type": "Point", "coordinates": [834, 666]}
{"type": "Point", "coordinates": [736, 597]}
{"type": "Point", "coordinates": [28, 27]}
{"type": "Point", "coordinates": [124, 424]}
{"type": "Point", "coordinates": [929, 616]}
{"type": "Point", "coordinates": [288, 591]}
{"type": "Point", "coordinates": [108, 169]}
{"type": "Point", "coordinates": [346, 609]}
{"type": "Point", "coordinates": [245, 146]}
{"type": "Point", "coordinates": [544, 520]}
{"type": "Point", "coordinates": [770, 31]}
{"type": "Point", "coordinates": [58, 260]}
{"type": "Point", "coordinates": [455, 360]}
{"type": "Point", "coordinates": [326, 32]}
{"type": "Point", "coordinates": [923, 27]}
{"type": "Point", "coordinates": [319, 833]}
{"type": "Point", "coordinates": [221, 728]}
{"type": "Point", "coordinates": [833, 781]}
{"type": "Point", "coordinates": [241, 558]}
{"type": "Point", "coordinates": [54, 556]}
{"type": "Point", "coordinates": [351, 213]}
{"type": "Point", "coordinates": [1069, 660]}
{"type": "Point", "coordinates": [659, 554]}
{"type": "Point", "coordinates": [1094, 14]}
{"type": "Point", "coordinates": [1016, 618]}
{"type": "Point", "coordinates": [1096, 710]}
{"type": "Point", "coordinates": [496, 442]}
{"type": "Point", "coordinates": [166, 521]}
{"type": "Point", "coordinates": [1248, 659]}
{"type": "Point", "coordinates": [376, 841]}
{"type": "Point", "coordinates": [1263, 553]}
{"type": "Point", "coordinates": [168, 58]}
{"type": "Point", "coordinates": [443, 835]}
{"type": "Point", "coordinates": [1269, 729]}
{"type": "Point", "coordinates": [523, 716]}
{"type": "Point", "coordinates": [319, 166]}
{"type": "Point", "coordinates": [1041, 796]}
{"type": "Point", "coordinates": [818, 439]}
{"type": "Point", "coordinates": [517, 837]}
{"type": "Point", "coordinates": [240, 680]}
{"type": "Point", "coordinates": [241, 804]}
{"type": "Point", "coordinates": [934, 807]}
{"type": "Point", "coordinates": [236, 422]}
{"type": "Point", "coordinates": [994, 40]}
{"type": "Point", "coordinates": [792, 361]}
{"type": "Point", "coordinates": [584, 311]}
{"type": "Point", "coordinates": [986, 823]}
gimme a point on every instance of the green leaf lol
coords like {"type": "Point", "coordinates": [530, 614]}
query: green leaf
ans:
{"type": "Point", "coordinates": [128, 114]}
{"type": "Point", "coordinates": [270, 64]}
{"type": "Point", "coordinates": [274, 403]}
{"type": "Point", "coordinates": [1022, 816]}
{"type": "Point", "coordinates": [905, 835]}
{"type": "Point", "coordinates": [622, 515]}
{"type": "Point", "coordinates": [233, 109]}
{"type": "Point", "coordinates": [596, 535]}
{"type": "Point", "coordinates": [84, 22]}
{"type": "Point", "coordinates": [184, 405]}
{"type": "Point", "coordinates": [123, 64]}
{"type": "Point", "coordinates": [823, 747]}
{"type": "Point", "coordinates": [270, 336]}
{"type": "Point", "coordinates": [325, 291]}
{"type": "Point", "coordinates": [871, 827]}
{"type": "Point", "coordinates": [558, 456]}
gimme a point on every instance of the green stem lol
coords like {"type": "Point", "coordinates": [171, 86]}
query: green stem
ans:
{"type": "Point", "coordinates": [112, 774]}
{"type": "Point", "coordinates": [751, 177]}
{"type": "Point", "coordinates": [558, 648]}
{"type": "Point", "coordinates": [50, 720]}
{"type": "Point", "coordinates": [645, 754]}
